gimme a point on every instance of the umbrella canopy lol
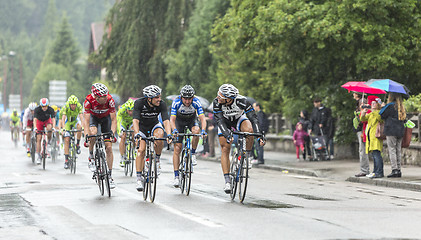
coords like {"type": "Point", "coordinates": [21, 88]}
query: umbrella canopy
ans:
{"type": "Point", "coordinates": [205, 103]}
{"type": "Point", "coordinates": [362, 88]}
{"type": "Point", "coordinates": [388, 85]}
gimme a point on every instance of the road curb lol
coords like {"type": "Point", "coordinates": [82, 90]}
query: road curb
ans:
{"type": "Point", "coordinates": [387, 183]}
{"type": "Point", "coordinates": [273, 167]}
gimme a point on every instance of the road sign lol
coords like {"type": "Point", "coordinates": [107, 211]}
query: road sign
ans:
{"type": "Point", "coordinates": [58, 92]}
{"type": "Point", "coordinates": [14, 102]}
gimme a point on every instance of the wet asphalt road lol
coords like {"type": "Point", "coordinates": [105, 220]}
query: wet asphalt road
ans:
{"type": "Point", "coordinates": [54, 204]}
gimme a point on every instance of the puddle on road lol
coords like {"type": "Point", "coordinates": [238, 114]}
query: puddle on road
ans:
{"type": "Point", "coordinates": [14, 211]}
{"type": "Point", "coordinates": [268, 204]}
{"type": "Point", "coordinates": [311, 197]}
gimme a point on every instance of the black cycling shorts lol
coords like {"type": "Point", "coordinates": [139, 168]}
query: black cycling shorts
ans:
{"type": "Point", "coordinates": [103, 123]}
{"type": "Point", "coordinates": [181, 125]}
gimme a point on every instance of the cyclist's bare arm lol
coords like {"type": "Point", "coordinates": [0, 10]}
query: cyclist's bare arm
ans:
{"type": "Point", "coordinates": [113, 116]}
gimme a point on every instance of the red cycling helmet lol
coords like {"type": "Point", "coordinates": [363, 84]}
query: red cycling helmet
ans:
{"type": "Point", "coordinates": [44, 102]}
{"type": "Point", "coordinates": [99, 90]}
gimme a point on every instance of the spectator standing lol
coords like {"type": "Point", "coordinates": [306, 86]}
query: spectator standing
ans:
{"type": "Point", "coordinates": [319, 120]}
{"type": "Point", "coordinates": [373, 145]}
{"type": "Point", "coordinates": [299, 139]}
{"type": "Point", "coordinates": [360, 127]}
{"type": "Point", "coordinates": [394, 115]}
{"type": "Point", "coordinates": [264, 127]}
{"type": "Point", "coordinates": [305, 122]}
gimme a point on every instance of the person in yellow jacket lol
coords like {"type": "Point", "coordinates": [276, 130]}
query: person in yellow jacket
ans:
{"type": "Point", "coordinates": [374, 145]}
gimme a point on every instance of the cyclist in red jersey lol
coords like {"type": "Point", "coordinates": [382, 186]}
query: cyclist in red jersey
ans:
{"type": "Point", "coordinates": [100, 110]}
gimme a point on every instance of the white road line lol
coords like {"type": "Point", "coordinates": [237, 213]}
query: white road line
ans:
{"type": "Point", "coordinates": [191, 217]}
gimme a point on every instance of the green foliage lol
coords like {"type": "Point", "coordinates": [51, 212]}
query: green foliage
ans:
{"type": "Point", "coordinates": [193, 64]}
{"type": "Point", "coordinates": [286, 52]}
{"type": "Point", "coordinates": [64, 50]}
{"type": "Point", "coordinates": [142, 33]}
{"type": "Point", "coordinates": [413, 103]}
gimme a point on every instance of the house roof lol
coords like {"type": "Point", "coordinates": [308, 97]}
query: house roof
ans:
{"type": "Point", "coordinates": [97, 32]}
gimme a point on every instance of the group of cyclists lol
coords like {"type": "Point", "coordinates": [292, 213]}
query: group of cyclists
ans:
{"type": "Point", "coordinates": [146, 116]}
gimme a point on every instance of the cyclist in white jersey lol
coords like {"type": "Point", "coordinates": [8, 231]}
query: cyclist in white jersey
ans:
{"type": "Point", "coordinates": [233, 111]}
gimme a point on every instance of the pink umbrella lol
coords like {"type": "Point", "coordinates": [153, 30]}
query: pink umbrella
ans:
{"type": "Point", "coordinates": [361, 87]}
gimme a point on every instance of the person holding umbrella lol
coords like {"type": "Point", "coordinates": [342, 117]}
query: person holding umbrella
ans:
{"type": "Point", "coordinates": [394, 115]}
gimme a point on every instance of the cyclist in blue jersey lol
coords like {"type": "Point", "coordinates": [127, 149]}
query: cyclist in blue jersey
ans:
{"type": "Point", "coordinates": [232, 110]}
{"type": "Point", "coordinates": [185, 110]}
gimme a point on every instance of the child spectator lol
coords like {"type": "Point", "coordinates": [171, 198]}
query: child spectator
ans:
{"type": "Point", "coordinates": [305, 121]}
{"type": "Point", "coordinates": [299, 137]}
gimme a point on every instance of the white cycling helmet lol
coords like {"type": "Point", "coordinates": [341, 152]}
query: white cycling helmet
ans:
{"type": "Point", "coordinates": [99, 90]}
{"type": "Point", "coordinates": [187, 91]}
{"type": "Point", "coordinates": [32, 106]}
{"type": "Point", "coordinates": [228, 90]}
{"type": "Point", "coordinates": [151, 91]}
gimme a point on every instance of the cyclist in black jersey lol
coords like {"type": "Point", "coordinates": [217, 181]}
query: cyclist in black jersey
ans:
{"type": "Point", "coordinates": [146, 123]}
{"type": "Point", "coordinates": [233, 111]}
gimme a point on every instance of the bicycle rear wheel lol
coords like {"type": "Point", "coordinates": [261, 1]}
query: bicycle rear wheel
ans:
{"type": "Point", "coordinates": [234, 175]}
{"type": "Point", "coordinates": [44, 153]}
{"type": "Point", "coordinates": [153, 177]}
{"type": "Point", "coordinates": [243, 176]}
{"type": "Point", "coordinates": [181, 170]}
{"type": "Point", "coordinates": [188, 172]}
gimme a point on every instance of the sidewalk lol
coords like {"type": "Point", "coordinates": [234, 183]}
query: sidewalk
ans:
{"type": "Point", "coordinates": [340, 170]}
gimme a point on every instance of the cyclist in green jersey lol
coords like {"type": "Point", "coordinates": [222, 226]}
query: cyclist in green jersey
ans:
{"type": "Point", "coordinates": [125, 121]}
{"type": "Point", "coordinates": [14, 122]}
{"type": "Point", "coordinates": [71, 118]}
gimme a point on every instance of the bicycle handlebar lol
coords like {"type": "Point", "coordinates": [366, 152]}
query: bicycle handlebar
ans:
{"type": "Point", "coordinates": [248, 134]}
{"type": "Point", "coordinates": [98, 135]}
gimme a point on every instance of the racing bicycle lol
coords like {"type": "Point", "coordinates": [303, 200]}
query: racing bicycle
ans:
{"type": "Point", "coordinates": [185, 167]}
{"type": "Point", "coordinates": [150, 171]}
{"type": "Point", "coordinates": [72, 150]}
{"type": "Point", "coordinates": [239, 169]}
{"type": "Point", "coordinates": [101, 174]}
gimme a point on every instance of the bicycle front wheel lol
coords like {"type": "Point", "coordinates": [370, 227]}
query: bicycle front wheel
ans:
{"type": "Point", "coordinates": [131, 159]}
{"type": "Point", "coordinates": [72, 159]}
{"type": "Point", "coordinates": [153, 177]}
{"type": "Point", "coordinates": [243, 176]}
{"type": "Point", "coordinates": [44, 153]}
{"type": "Point", "coordinates": [99, 174]}
{"type": "Point", "coordinates": [234, 175]}
{"type": "Point", "coordinates": [145, 183]}
{"type": "Point", "coordinates": [33, 146]}
{"type": "Point", "coordinates": [188, 172]}
{"type": "Point", "coordinates": [53, 148]}
{"type": "Point", "coordinates": [105, 175]}
{"type": "Point", "coordinates": [181, 170]}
